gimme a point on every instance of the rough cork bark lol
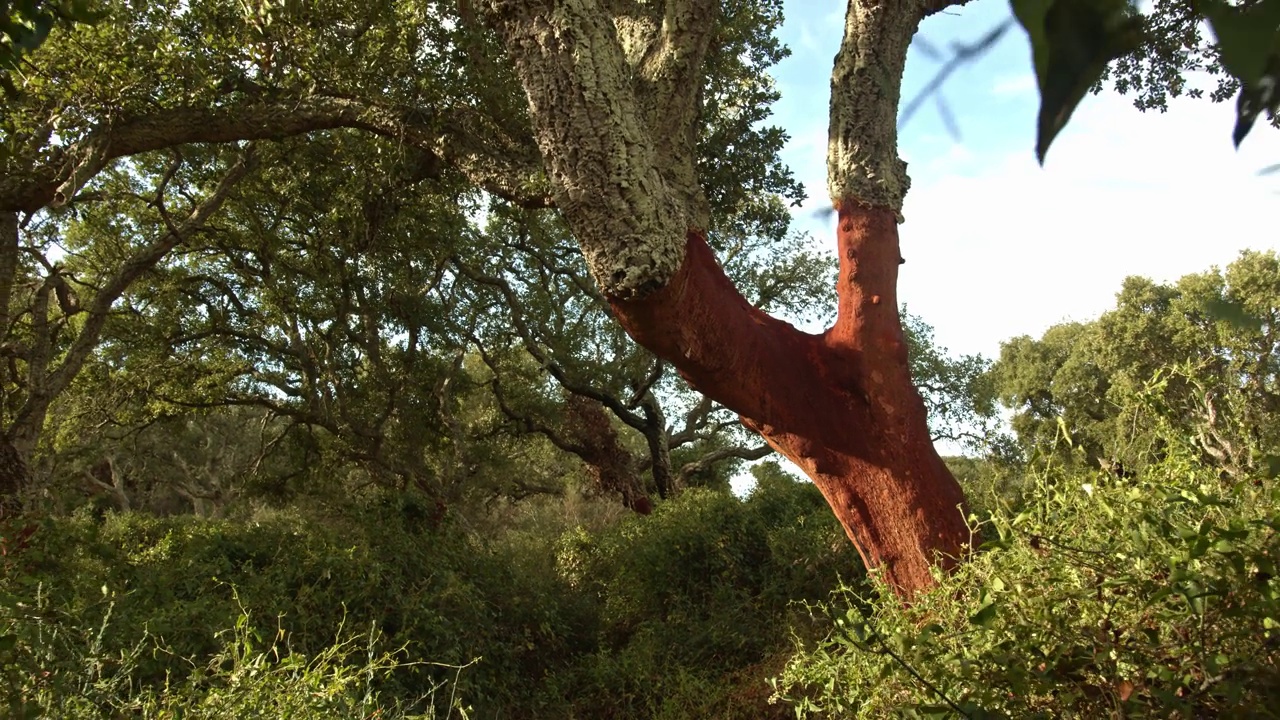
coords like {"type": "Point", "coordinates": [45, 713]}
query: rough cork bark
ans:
{"type": "Point", "coordinates": [612, 108]}
{"type": "Point", "coordinates": [626, 187]}
{"type": "Point", "coordinates": [866, 84]}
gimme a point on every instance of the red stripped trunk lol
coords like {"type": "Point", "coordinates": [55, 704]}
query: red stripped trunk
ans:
{"type": "Point", "coordinates": [841, 405]}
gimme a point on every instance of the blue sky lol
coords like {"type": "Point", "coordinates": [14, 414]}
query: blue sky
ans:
{"type": "Point", "coordinates": [997, 246]}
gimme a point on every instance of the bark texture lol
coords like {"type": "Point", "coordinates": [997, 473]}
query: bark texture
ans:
{"type": "Point", "coordinates": [841, 405]}
{"type": "Point", "coordinates": [866, 85]}
{"type": "Point", "coordinates": [626, 186]}
{"type": "Point", "coordinates": [609, 465]}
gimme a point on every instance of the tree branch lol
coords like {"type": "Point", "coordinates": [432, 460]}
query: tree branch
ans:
{"type": "Point", "coordinates": [638, 395]}
{"type": "Point", "coordinates": [694, 420]}
{"type": "Point", "coordinates": [505, 167]}
{"type": "Point", "coordinates": [528, 422]}
{"type": "Point", "coordinates": [721, 455]}
{"type": "Point", "coordinates": [44, 386]}
{"type": "Point", "coordinates": [539, 353]}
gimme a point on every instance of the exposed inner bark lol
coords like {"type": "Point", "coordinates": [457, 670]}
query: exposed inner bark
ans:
{"type": "Point", "coordinates": [840, 405]}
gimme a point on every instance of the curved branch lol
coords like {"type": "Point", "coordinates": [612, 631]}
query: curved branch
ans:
{"type": "Point", "coordinates": [716, 456]}
{"type": "Point", "coordinates": [691, 321]}
{"type": "Point", "coordinates": [529, 423]}
{"type": "Point", "coordinates": [638, 395]}
{"type": "Point", "coordinates": [45, 385]}
{"type": "Point", "coordinates": [694, 420]}
{"type": "Point", "coordinates": [505, 167]}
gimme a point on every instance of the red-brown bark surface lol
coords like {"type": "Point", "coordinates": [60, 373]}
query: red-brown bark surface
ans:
{"type": "Point", "coordinates": [841, 405]}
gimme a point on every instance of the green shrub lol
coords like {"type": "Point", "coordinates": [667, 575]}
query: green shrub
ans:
{"type": "Point", "coordinates": [54, 667]}
{"type": "Point", "coordinates": [1096, 596]}
{"type": "Point", "coordinates": [696, 593]}
{"type": "Point", "coordinates": [174, 582]}
{"type": "Point", "coordinates": [683, 613]}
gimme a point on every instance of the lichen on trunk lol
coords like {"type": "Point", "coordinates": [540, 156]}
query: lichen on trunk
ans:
{"type": "Point", "coordinates": [866, 84]}
{"type": "Point", "coordinates": [628, 192]}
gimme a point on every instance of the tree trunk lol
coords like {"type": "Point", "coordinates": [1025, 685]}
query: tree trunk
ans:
{"type": "Point", "coordinates": [655, 436]}
{"type": "Point", "coordinates": [9, 249]}
{"type": "Point", "coordinates": [13, 479]}
{"type": "Point", "coordinates": [596, 443]}
{"type": "Point", "coordinates": [612, 102]}
{"type": "Point", "coordinates": [840, 405]}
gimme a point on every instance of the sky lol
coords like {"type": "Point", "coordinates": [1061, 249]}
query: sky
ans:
{"type": "Point", "coordinates": [997, 246]}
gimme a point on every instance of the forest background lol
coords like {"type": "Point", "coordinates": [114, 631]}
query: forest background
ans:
{"type": "Point", "coordinates": [307, 424]}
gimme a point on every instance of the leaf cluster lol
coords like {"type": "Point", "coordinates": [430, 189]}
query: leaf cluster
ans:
{"type": "Point", "coordinates": [1077, 44]}
{"type": "Point", "coordinates": [1096, 596]}
{"type": "Point", "coordinates": [1209, 338]}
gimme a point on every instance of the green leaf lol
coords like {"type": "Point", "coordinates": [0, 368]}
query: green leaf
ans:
{"type": "Point", "coordinates": [1249, 43]}
{"type": "Point", "coordinates": [1247, 36]}
{"type": "Point", "coordinates": [995, 544]}
{"type": "Point", "coordinates": [1072, 41]}
{"type": "Point", "coordinates": [1270, 465]}
{"type": "Point", "coordinates": [1232, 313]}
{"type": "Point", "coordinates": [985, 615]}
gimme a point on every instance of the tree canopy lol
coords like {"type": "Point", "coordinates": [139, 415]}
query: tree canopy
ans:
{"type": "Point", "coordinates": [1201, 349]}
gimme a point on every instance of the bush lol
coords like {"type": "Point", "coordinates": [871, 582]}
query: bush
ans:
{"type": "Point", "coordinates": [680, 614]}
{"type": "Point", "coordinates": [54, 666]}
{"type": "Point", "coordinates": [1096, 596]}
{"type": "Point", "coordinates": [697, 598]}
{"type": "Point", "coordinates": [144, 582]}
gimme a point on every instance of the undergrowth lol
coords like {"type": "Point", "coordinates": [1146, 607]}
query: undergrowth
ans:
{"type": "Point", "coordinates": [1093, 596]}
{"type": "Point", "coordinates": [365, 611]}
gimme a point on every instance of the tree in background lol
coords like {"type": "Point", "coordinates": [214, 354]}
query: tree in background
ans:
{"type": "Point", "coordinates": [1202, 349]}
{"type": "Point", "coordinates": [53, 313]}
{"type": "Point", "coordinates": [310, 313]}
{"type": "Point", "coordinates": [957, 391]}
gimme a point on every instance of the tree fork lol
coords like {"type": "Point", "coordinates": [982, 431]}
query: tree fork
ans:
{"type": "Point", "coordinates": [841, 405]}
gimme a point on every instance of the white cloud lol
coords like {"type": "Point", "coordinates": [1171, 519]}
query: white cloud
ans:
{"type": "Point", "coordinates": [1015, 248]}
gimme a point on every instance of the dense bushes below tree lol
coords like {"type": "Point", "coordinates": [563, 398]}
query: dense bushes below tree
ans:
{"type": "Point", "coordinates": [644, 617]}
{"type": "Point", "coordinates": [1153, 594]}
{"type": "Point", "coordinates": [1128, 569]}
{"type": "Point", "coordinates": [1094, 596]}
